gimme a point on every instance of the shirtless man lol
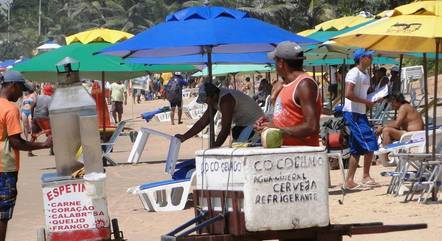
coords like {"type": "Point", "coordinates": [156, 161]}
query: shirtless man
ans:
{"type": "Point", "coordinates": [408, 119]}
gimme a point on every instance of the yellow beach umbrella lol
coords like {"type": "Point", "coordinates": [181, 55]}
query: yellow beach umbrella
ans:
{"type": "Point", "coordinates": [336, 24]}
{"type": "Point", "coordinates": [307, 32]}
{"type": "Point", "coordinates": [420, 8]}
{"type": "Point", "coordinates": [403, 33]}
{"type": "Point", "coordinates": [341, 23]}
{"type": "Point", "coordinates": [98, 35]}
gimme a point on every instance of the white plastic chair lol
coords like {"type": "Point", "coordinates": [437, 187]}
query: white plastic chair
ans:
{"type": "Point", "coordinates": [169, 195]}
{"type": "Point", "coordinates": [163, 117]}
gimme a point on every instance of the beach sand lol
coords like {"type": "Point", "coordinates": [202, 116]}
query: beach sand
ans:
{"type": "Point", "coordinates": [139, 225]}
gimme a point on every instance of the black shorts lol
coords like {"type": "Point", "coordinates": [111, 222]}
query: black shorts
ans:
{"type": "Point", "coordinates": [117, 106]}
{"type": "Point", "coordinates": [175, 103]}
{"type": "Point", "coordinates": [8, 194]}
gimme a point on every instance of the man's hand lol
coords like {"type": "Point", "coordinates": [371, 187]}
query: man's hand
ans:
{"type": "Point", "coordinates": [180, 137]}
{"type": "Point", "coordinates": [370, 104]}
{"type": "Point", "coordinates": [263, 123]}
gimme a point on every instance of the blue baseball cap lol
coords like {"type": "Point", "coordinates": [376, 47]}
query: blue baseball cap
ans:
{"type": "Point", "coordinates": [15, 77]}
{"type": "Point", "coordinates": [359, 53]}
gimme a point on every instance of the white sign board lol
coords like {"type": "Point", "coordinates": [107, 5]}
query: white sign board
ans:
{"type": "Point", "coordinates": [68, 208]}
{"type": "Point", "coordinates": [286, 191]}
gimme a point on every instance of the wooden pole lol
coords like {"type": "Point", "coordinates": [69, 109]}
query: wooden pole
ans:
{"type": "Point", "coordinates": [103, 100]}
{"type": "Point", "coordinates": [329, 92]}
{"type": "Point", "coordinates": [427, 139]}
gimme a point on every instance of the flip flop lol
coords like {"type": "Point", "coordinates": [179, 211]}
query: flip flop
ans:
{"type": "Point", "coordinates": [370, 182]}
{"type": "Point", "coordinates": [357, 187]}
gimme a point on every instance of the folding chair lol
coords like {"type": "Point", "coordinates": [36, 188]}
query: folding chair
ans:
{"type": "Point", "coordinates": [411, 142]}
{"type": "Point", "coordinates": [108, 146]}
{"type": "Point", "coordinates": [409, 169]}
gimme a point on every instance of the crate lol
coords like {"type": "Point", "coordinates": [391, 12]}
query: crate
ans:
{"type": "Point", "coordinates": [214, 202]}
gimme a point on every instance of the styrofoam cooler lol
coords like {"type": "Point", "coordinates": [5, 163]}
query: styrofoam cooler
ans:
{"type": "Point", "coordinates": [71, 213]}
{"type": "Point", "coordinates": [284, 188]}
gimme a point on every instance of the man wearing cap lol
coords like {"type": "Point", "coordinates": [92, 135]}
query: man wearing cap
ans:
{"type": "Point", "coordinates": [237, 109]}
{"type": "Point", "coordinates": [12, 87]}
{"type": "Point", "coordinates": [362, 138]}
{"type": "Point", "coordinates": [298, 104]}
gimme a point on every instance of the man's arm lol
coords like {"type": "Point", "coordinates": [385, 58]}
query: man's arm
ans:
{"type": "Point", "coordinates": [227, 105]}
{"type": "Point", "coordinates": [196, 128]}
{"type": "Point", "coordinates": [18, 143]}
{"type": "Point", "coordinates": [350, 94]}
{"type": "Point", "coordinates": [307, 93]}
{"type": "Point", "coordinates": [402, 113]}
{"type": "Point", "coordinates": [125, 96]}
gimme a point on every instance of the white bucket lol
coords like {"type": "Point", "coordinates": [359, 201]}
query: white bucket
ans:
{"type": "Point", "coordinates": [94, 185]}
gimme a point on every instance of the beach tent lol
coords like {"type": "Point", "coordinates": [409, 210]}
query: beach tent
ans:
{"type": "Point", "coordinates": [205, 30]}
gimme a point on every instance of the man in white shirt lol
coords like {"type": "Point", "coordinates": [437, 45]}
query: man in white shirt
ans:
{"type": "Point", "coordinates": [362, 138]}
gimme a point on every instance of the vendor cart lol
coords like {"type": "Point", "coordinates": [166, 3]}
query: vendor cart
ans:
{"type": "Point", "coordinates": [75, 204]}
{"type": "Point", "coordinates": [266, 194]}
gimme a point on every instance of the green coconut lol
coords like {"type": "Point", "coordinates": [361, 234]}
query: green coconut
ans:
{"type": "Point", "coordinates": [271, 138]}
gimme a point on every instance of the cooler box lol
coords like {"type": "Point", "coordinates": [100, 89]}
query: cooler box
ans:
{"type": "Point", "coordinates": [71, 213]}
{"type": "Point", "coordinates": [284, 188]}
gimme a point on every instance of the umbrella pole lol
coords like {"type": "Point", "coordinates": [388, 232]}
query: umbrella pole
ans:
{"type": "Point", "coordinates": [401, 61]}
{"type": "Point", "coordinates": [322, 84]}
{"type": "Point", "coordinates": [210, 107]}
{"type": "Point", "coordinates": [427, 140]}
{"type": "Point", "coordinates": [343, 83]}
{"type": "Point", "coordinates": [234, 81]}
{"type": "Point", "coordinates": [329, 89]}
{"type": "Point", "coordinates": [436, 73]}
{"type": "Point", "coordinates": [103, 101]}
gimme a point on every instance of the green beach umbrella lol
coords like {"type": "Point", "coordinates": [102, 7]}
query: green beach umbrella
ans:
{"type": "Point", "coordinates": [41, 68]}
{"type": "Point", "coordinates": [225, 69]}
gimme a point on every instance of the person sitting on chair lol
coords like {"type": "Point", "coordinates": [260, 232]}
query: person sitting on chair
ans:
{"type": "Point", "coordinates": [408, 119]}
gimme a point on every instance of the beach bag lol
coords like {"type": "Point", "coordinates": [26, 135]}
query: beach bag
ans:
{"type": "Point", "coordinates": [173, 89]}
{"type": "Point", "coordinates": [334, 134]}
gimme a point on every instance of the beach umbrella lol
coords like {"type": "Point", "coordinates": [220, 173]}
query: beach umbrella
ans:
{"type": "Point", "coordinates": [201, 59]}
{"type": "Point", "coordinates": [337, 24]}
{"type": "Point", "coordinates": [224, 69]}
{"type": "Point", "coordinates": [9, 63]}
{"type": "Point", "coordinates": [205, 30]}
{"type": "Point", "coordinates": [412, 28]}
{"type": "Point", "coordinates": [98, 35]}
{"type": "Point", "coordinates": [42, 68]}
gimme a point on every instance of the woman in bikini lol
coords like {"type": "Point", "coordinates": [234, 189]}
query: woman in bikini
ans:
{"type": "Point", "coordinates": [26, 111]}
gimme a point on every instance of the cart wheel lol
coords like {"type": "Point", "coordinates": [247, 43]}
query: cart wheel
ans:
{"type": "Point", "coordinates": [116, 230]}
{"type": "Point", "coordinates": [41, 234]}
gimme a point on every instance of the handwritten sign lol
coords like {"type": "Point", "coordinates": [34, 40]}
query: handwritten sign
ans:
{"type": "Point", "coordinates": [214, 172]}
{"type": "Point", "coordinates": [286, 191]}
{"type": "Point", "coordinates": [69, 209]}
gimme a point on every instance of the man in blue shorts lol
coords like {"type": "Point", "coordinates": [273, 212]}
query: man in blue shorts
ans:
{"type": "Point", "coordinates": [362, 138]}
{"type": "Point", "coordinates": [12, 86]}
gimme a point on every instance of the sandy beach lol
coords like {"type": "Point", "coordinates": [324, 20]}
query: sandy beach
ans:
{"type": "Point", "coordinates": [139, 225]}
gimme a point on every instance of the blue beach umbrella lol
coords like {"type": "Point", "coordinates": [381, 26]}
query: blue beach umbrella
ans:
{"type": "Point", "coordinates": [205, 30]}
{"type": "Point", "coordinates": [200, 59]}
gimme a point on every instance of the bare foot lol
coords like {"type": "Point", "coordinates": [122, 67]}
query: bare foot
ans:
{"type": "Point", "coordinates": [180, 122]}
{"type": "Point", "coordinates": [350, 185]}
{"type": "Point", "coordinates": [368, 181]}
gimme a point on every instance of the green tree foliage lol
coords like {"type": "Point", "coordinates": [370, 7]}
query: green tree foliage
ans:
{"type": "Point", "coordinates": [62, 18]}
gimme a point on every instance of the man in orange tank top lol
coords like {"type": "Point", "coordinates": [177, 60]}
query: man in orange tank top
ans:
{"type": "Point", "coordinates": [298, 105]}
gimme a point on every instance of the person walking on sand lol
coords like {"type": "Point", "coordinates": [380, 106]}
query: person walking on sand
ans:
{"type": "Point", "coordinates": [11, 142]}
{"type": "Point", "coordinates": [362, 138]}
{"type": "Point", "coordinates": [118, 95]}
